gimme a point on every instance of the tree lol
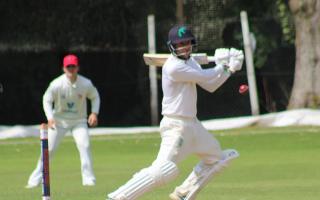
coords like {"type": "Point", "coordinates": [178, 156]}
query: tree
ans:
{"type": "Point", "coordinates": [306, 87]}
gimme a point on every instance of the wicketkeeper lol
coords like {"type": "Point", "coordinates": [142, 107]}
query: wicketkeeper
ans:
{"type": "Point", "coordinates": [181, 132]}
{"type": "Point", "coordinates": [65, 107]}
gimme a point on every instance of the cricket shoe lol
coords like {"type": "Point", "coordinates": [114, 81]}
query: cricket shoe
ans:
{"type": "Point", "coordinates": [89, 183]}
{"type": "Point", "coordinates": [109, 198]}
{"type": "Point", "coordinates": [180, 193]}
{"type": "Point", "coordinates": [31, 185]}
{"type": "Point", "coordinates": [176, 196]}
{"type": "Point", "coordinates": [197, 181]}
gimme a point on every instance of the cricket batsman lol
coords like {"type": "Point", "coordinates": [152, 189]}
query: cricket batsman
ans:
{"type": "Point", "coordinates": [181, 132]}
{"type": "Point", "coordinates": [65, 107]}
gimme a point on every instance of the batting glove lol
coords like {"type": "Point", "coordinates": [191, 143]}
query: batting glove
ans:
{"type": "Point", "coordinates": [221, 56]}
{"type": "Point", "coordinates": [236, 60]}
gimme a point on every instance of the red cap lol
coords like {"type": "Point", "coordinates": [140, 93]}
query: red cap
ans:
{"type": "Point", "coordinates": [70, 60]}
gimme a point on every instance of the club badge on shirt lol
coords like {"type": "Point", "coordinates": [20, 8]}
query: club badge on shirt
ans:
{"type": "Point", "coordinates": [70, 105]}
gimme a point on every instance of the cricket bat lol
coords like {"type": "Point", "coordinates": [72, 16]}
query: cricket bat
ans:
{"type": "Point", "coordinates": [158, 59]}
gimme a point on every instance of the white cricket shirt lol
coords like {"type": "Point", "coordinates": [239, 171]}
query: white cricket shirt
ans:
{"type": "Point", "coordinates": [179, 79]}
{"type": "Point", "coordinates": [67, 103]}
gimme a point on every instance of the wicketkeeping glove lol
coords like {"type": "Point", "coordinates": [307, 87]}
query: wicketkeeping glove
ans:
{"type": "Point", "coordinates": [236, 60]}
{"type": "Point", "coordinates": [221, 56]}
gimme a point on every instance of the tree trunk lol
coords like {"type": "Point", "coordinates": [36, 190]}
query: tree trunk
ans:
{"type": "Point", "coordinates": [306, 87]}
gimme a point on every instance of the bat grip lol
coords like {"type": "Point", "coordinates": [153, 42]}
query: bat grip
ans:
{"type": "Point", "coordinates": [211, 59]}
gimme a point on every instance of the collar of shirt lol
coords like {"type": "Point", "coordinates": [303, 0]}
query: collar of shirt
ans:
{"type": "Point", "coordinates": [67, 80]}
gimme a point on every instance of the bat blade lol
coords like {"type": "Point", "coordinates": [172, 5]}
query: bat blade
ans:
{"type": "Point", "coordinates": [159, 59]}
{"type": "Point", "coordinates": [155, 59]}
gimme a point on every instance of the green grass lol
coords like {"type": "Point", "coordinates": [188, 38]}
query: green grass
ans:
{"type": "Point", "coordinates": [275, 164]}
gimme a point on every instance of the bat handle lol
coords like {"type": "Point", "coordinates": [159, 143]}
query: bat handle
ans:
{"type": "Point", "coordinates": [211, 59]}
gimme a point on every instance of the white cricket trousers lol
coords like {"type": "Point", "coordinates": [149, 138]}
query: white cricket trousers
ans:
{"type": "Point", "coordinates": [80, 134]}
{"type": "Point", "coordinates": [180, 138]}
{"type": "Point", "coordinates": [183, 136]}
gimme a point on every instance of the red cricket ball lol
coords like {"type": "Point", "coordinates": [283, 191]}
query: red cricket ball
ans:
{"type": "Point", "coordinates": [243, 89]}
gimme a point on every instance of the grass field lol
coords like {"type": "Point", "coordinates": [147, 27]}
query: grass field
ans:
{"type": "Point", "coordinates": [275, 164]}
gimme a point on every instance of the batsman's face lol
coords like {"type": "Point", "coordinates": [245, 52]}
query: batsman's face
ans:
{"type": "Point", "coordinates": [184, 49]}
{"type": "Point", "coordinates": [71, 70]}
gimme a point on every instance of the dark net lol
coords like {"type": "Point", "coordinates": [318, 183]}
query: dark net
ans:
{"type": "Point", "coordinates": [110, 38]}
